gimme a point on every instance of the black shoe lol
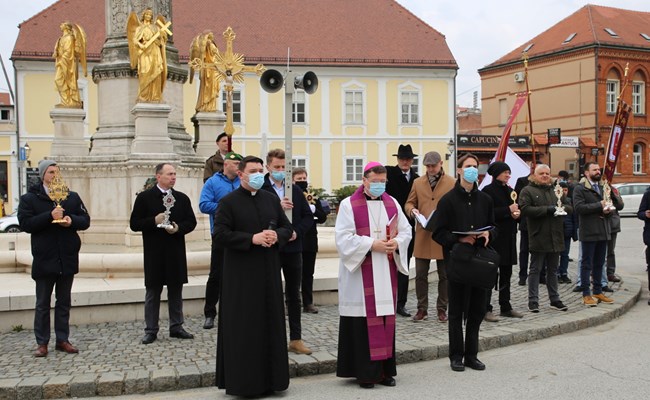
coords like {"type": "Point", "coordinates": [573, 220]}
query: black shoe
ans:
{"type": "Point", "coordinates": [533, 306]}
{"type": "Point", "coordinates": [149, 338]}
{"type": "Point", "coordinates": [390, 381]}
{"type": "Point", "coordinates": [474, 363]}
{"type": "Point", "coordinates": [365, 385]}
{"type": "Point", "coordinates": [457, 365]}
{"type": "Point", "coordinates": [522, 282]}
{"type": "Point", "coordinates": [608, 289]}
{"type": "Point", "coordinates": [558, 305]}
{"type": "Point", "coordinates": [182, 334]}
{"type": "Point", "coordinates": [402, 311]}
{"type": "Point", "coordinates": [209, 323]}
{"type": "Point", "coordinates": [577, 289]}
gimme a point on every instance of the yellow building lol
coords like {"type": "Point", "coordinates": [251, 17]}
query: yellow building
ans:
{"type": "Point", "coordinates": [384, 79]}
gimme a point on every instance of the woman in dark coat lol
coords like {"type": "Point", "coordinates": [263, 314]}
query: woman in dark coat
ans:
{"type": "Point", "coordinates": [506, 215]}
{"type": "Point", "coordinates": [644, 215]}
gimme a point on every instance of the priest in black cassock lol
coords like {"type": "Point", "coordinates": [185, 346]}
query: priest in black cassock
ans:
{"type": "Point", "coordinates": [251, 225]}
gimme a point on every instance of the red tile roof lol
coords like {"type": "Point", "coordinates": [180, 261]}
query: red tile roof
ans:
{"type": "Point", "coordinates": [588, 24]}
{"type": "Point", "coordinates": [332, 32]}
{"type": "Point", "coordinates": [5, 100]}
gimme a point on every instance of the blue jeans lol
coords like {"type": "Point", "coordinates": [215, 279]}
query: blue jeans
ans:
{"type": "Point", "coordinates": [593, 259]}
{"type": "Point", "coordinates": [564, 258]}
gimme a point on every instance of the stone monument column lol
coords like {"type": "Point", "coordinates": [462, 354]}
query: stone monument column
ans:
{"type": "Point", "coordinates": [207, 126]}
{"type": "Point", "coordinates": [68, 132]}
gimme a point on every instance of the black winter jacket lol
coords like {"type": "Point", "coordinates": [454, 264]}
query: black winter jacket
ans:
{"type": "Point", "coordinates": [506, 243]}
{"type": "Point", "coordinates": [594, 224]}
{"type": "Point", "coordinates": [55, 249]}
{"type": "Point", "coordinates": [459, 210]}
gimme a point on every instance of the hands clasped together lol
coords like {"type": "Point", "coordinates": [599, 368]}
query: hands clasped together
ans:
{"type": "Point", "coordinates": [384, 246]}
{"type": "Point", "coordinates": [266, 238]}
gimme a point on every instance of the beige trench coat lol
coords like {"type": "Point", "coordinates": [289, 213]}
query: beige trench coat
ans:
{"type": "Point", "coordinates": [422, 198]}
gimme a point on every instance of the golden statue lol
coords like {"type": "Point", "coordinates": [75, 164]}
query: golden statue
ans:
{"type": "Point", "coordinates": [147, 41]}
{"type": "Point", "coordinates": [229, 67]}
{"type": "Point", "coordinates": [204, 48]}
{"type": "Point", "coordinates": [69, 52]}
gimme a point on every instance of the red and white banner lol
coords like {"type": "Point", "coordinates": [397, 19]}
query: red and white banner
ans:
{"type": "Point", "coordinates": [505, 138]}
{"type": "Point", "coordinates": [616, 139]}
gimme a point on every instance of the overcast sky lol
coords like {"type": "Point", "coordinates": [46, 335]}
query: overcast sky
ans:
{"type": "Point", "coordinates": [478, 32]}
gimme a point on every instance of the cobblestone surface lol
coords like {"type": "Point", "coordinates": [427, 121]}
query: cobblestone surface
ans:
{"type": "Point", "coordinates": [112, 360]}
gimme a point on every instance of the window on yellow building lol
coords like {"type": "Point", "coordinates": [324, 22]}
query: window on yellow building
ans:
{"type": "Point", "coordinates": [353, 169]}
{"type": "Point", "coordinates": [3, 181]}
{"type": "Point", "coordinates": [410, 107]}
{"type": "Point", "coordinates": [638, 97]}
{"type": "Point", "coordinates": [5, 115]}
{"type": "Point", "coordinates": [299, 161]}
{"type": "Point", "coordinates": [354, 107]}
{"type": "Point", "coordinates": [236, 104]}
{"type": "Point", "coordinates": [610, 96]}
{"type": "Point", "coordinates": [298, 107]}
{"type": "Point", "coordinates": [503, 112]}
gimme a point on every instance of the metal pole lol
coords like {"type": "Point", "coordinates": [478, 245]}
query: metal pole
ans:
{"type": "Point", "coordinates": [288, 138]}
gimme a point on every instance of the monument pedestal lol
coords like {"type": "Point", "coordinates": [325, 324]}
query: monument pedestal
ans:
{"type": "Point", "coordinates": [207, 126]}
{"type": "Point", "coordinates": [151, 129]}
{"type": "Point", "coordinates": [68, 132]}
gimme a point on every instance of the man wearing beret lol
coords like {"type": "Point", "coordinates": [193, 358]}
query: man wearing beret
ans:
{"type": "Point", "coordinates": [506, 215]}
{"type": "Point", "coordinates": [214, 189]}
{"type": "Point", "coordinates": [423, 200]}
{"type": "Point", "coordinates": [55, 249]}
{"type": "Point", "coordinates": [400, 181]}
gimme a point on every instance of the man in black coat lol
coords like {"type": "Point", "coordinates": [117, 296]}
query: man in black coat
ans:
{"type": "Point", "coordinates": [290, 255]}
{"type": "Point", "coordinates": [165, 262]}
{"type": "Point", "coordinates": [464, 209]}
{"type": "Point", "coordinates": [506, 215]}
{"type": "Point", "coordinates": [644, 215]}
{"type": "Point", "coordinates": [310, 241]}
{"type": "Point", "coordinates": [55, 251]}
{"type": "Point", "coordinates": [400, 180]}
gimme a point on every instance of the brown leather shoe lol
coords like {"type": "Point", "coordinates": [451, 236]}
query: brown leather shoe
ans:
{"type": "Point", "coordinates": [67, 347]}
{"type": "Point", "coordinates": [442, 316]}
{"type": "Point", "coordinates": [420, 316]}
{"type": "Point", "coordinates": [298, 347]}
{"type": "Point", "coordinates": [41, 351]}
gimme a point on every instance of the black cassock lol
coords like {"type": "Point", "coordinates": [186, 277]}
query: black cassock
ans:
{"type": "Point", "coordinates": [251, 342]}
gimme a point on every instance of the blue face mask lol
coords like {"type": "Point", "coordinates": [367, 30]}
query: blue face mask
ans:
{"type": "Point", "coordinates": [256, 180]}
{"type": "Point", "coordinates": [376, 189]}
{"type": "Point", "coordinates": [277, 175]}
{"type": "Point", "coordinates": [470, 174]}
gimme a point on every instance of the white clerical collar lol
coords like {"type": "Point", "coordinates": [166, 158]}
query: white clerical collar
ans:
{"type": "Point", "coordinates": [162, 190]}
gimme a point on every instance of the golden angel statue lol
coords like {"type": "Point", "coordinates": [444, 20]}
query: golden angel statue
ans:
{"type": "Point", "coordinates": [204, 48]}
{"type": "Point", "coordinates": [69, 52]}
{"type": "Point", "coordinates": [147, 41]}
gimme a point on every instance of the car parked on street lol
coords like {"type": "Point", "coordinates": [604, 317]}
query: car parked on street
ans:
{"type": "Point", "coordinates": [10, 224]}
{"type": "Point", "coordinates": [631, 194]}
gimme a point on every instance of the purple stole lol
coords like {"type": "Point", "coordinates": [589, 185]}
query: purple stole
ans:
{"type": "Point", "coordinates": [381, 329]}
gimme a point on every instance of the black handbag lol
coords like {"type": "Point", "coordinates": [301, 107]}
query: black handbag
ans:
{"type": "Point", "coordinates": [473, 265]}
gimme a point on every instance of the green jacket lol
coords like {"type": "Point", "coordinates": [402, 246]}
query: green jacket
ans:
{"type": "Point", "coordinates": [545, 231]}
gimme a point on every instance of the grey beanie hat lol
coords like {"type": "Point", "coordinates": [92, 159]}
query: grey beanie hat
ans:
{"type": "Point", "coordinates": [43, 165]}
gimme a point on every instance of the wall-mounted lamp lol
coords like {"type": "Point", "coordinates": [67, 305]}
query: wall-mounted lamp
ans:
{"type": "Point", "coordinates": [28, 152]}
{"type": "Point", "coordinates": [451, 146]}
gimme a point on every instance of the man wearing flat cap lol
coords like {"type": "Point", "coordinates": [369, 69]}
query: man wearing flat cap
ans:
{"type": "Point", "coordinates": [55, 249]}
{"type": "Point", "coordinates": [215, 163]}
{"type": "Point", "coordinates": [423, 199]}
{"type": "Point", "coordinates": [506, 215]}
{"type": "Point", "coordinates": [400, 182]}
{"type": "Point", "coordinates": [214, 189]}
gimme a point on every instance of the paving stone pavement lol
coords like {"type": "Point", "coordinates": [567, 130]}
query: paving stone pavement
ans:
{"type": "Point", "coordinates": [112, 361]}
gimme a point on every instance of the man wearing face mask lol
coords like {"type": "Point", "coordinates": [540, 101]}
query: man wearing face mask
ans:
{"type": "Point", "coordinates": [251, 226]}
{"type": "Point", "coordinates": [464, 209]}
{"type": "Point", "coordinates": [370, 259]}
{"type": "Point", "coordinates": [290, 255]}
{"type": "Point", "coordinates": [310, 241]}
